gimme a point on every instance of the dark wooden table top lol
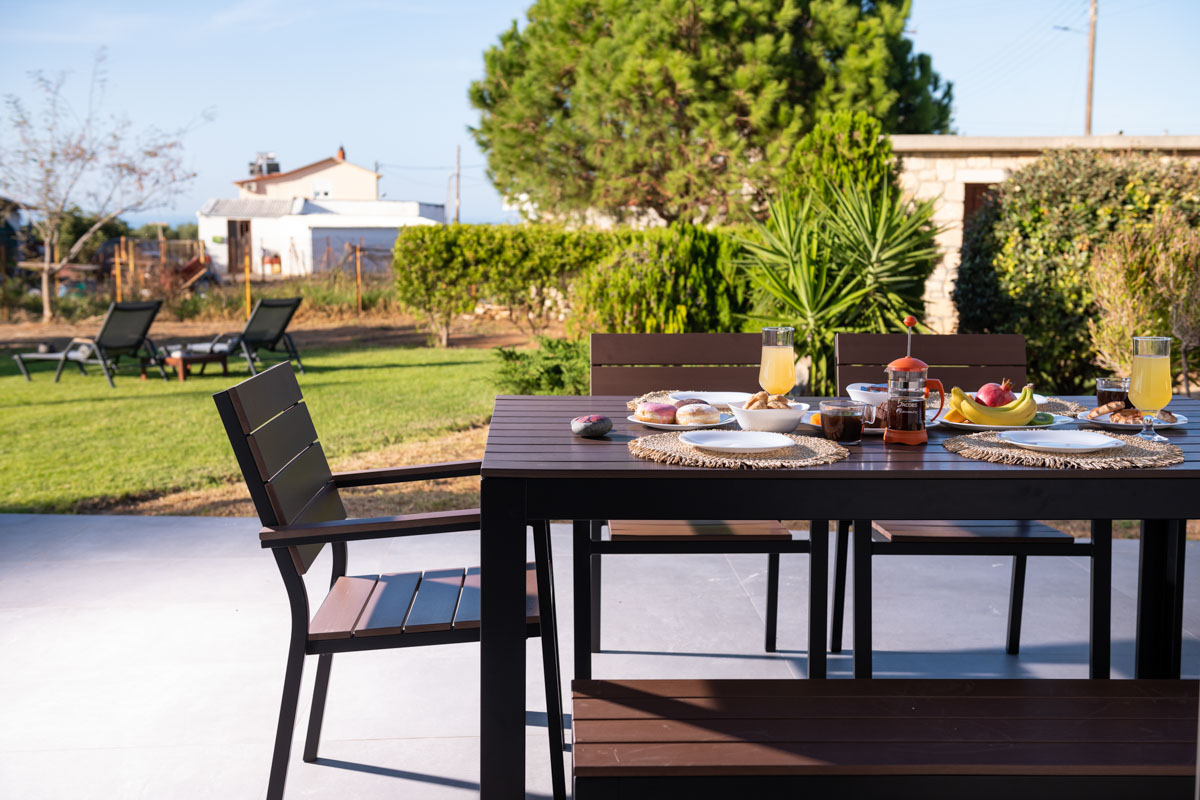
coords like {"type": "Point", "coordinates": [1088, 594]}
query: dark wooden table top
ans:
{"type": "Point", "coordinates": [530, 437]}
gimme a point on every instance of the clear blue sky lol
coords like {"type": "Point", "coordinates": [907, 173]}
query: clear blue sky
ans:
{"type": "Point", "coordinates": [389, 79]}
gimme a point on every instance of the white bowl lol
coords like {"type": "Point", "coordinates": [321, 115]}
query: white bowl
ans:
{"type": "Point", "coordinates": [857, 391]}
{"type": "Point", "coordinates": [775, 420]}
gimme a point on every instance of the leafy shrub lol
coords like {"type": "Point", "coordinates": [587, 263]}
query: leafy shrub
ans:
{"type": "Point", "coordinates": [844, 149]}
{"type": "Point", "coordinates": [558, 366]}
{"type": "Point", "coordinates": [527, 268]}
{"type": "Point", "coordinates": [678, 279]}
{"type": "Point", "coordinates": [1026, 253]}
{"type": "Point", "coordinates": [434, 275]}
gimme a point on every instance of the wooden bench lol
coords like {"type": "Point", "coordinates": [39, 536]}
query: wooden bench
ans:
{"type": "Point", "coordinates": [1032, 739]}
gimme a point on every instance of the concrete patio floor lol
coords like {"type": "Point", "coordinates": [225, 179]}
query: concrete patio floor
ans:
{"type": "Point", "coordinates": [143, 656]}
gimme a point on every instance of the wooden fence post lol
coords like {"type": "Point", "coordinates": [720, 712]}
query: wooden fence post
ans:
{"type": "Point", "coordinates": [131, 259]}
{"type": "Point", "coordinates": [358, 276]}
{"type": "Point", "coordinates": [117, 266]}
{"type": "Point", "coordinates": [3, 278]}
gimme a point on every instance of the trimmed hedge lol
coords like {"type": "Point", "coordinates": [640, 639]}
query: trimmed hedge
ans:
{"type": "Point", "coordinates": [1026, 253]}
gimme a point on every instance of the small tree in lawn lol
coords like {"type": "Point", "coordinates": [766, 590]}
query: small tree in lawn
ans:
{"type": "Point", "coordinates": [61, 159]}
{"type": "Point", "coordinates": [434, 275]}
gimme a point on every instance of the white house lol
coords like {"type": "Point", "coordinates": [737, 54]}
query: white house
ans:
{"type": "Point", "coordinates": [301, 221]}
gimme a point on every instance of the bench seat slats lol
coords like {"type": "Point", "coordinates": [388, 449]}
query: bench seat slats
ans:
{"type": "Point", "coordinates": [341, 608]}
{"type": "Point", "coordinates": [847, 729]}
{"type": "Point", "coordinates": [1009, 531]}
{"type": "Point", "coordinates": [709, 529]}
{"type": "Point", "coordinates": [437, 598]}
{"type": "Point", "coordinates": [890, 758]}
{"type": "Point", "coordinates": [385, 611]}
{"type": "Point", "coordinates": [466, 616]}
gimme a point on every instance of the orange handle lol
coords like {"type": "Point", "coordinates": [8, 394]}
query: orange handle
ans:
{"type": "Point", "coordinates": [941, 395]}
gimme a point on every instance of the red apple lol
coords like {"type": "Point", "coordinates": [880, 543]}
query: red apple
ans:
{"type": "Point", "coordinates": [995, 395]}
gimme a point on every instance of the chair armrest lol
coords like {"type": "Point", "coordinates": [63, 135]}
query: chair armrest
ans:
{"type": "Point", "coordinates": [349, 530]}
{"type": "Point", "coordinates": [375, 477]}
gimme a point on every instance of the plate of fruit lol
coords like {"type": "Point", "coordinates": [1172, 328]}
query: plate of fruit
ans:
{"type": "Point", "coordinates": [998, 409]}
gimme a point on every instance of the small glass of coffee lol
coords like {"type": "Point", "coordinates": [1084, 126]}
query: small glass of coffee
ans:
{"type": "Point", "coordinates": [843, 420]}
{"type": "Point", "coordinates": [1111, 390]}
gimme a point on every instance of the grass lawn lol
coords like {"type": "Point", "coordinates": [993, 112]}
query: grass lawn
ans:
{"type": "Point", "coordinates": [79, 445]}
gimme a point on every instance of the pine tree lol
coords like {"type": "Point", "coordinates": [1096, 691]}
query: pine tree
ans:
{"type": "Point", "coordinates": [688, 108]}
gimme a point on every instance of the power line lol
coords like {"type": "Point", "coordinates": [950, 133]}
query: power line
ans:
{"type": "Point", "coordinates": [451, 167]}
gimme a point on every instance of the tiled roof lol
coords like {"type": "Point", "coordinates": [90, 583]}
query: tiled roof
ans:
{"type": "Point", "coordinates": [247, 207]}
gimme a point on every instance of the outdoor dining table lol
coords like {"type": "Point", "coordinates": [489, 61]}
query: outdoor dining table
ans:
{"type": "Point", "coordinates": [534, 468]}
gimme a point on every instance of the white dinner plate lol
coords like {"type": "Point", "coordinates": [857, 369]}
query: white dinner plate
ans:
{"type": "Point", "coordinates": [714, 399]}
{"type": "Point", "coordinates": [662, 426]}
{"type": "Point", "coordinates": [1061, 441]}
{"type": "Point", "coordinates": [929, 423]}
{"type": "Point", "coordinates": [736, 441]}
{"type": "Point", "coordinates": [1059, 419]}
{"type": "Point", "coordinates": [1103, 421]}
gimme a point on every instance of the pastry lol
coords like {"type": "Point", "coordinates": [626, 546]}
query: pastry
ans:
{"type": "Point", "coordinates": [687, 401]}
{"type": "Point", "coordinates": [757, 401]}
{"type": "Point", "coordinates": [778, 401]}
{"type": "Point", "coordinates": [698, 414]}
{"type": "Point", "coordinates": [1107, 408]}
{"type": "Point", "coordinates": [1166, 416]}
{"type": "Point", "coordinates": [662, 413]}
{"type": "Point", "coordinates": [1126, 416]}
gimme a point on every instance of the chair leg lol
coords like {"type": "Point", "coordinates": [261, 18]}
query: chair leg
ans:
{"type": "Point", "coordinates": [249, 354]}
{"type": "Point", "coordinates": [840, 554]}
{"type": "Point", "coordinates": [1100, 638]}
{"type": "Point", "coordinates": [287, 719]}
{"type": "Point", "coordinates": [317, 715]}
{"type": "Point", "coordinates": [62, 362]}
{"type": "Point", "coordinates": [21, 366]}
{"type": "Point", "coordinates": [1016, 604]}
{"type": "Point", "coordinates": [772, 601]}
{"type": "Point", "coordinates": [594, 565]}
{"type": "Point", "coordinates": [552, 675]}
{"type": "Point", "coordinates": [291, 346]}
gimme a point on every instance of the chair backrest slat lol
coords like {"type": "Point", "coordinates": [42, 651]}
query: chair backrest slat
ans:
{"type": "Point", "coordinates": [636, 363]}
{"type": "Point", "coordinates": [282, 462]}
{"type": "Point", "coordinates": [269, 320]}
{"type": "Point", "coordinates": [961, 359]}
{"type": "Point", "coordinates": [126, 324]}
{"type": "Point", "coordinates": [286, 436]}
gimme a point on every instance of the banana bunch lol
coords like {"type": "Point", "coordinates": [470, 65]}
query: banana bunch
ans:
{"type": "Point", "coordinates": [1018, 412]}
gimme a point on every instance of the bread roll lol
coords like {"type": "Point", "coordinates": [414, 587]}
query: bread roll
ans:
{"type": "Point", "coordinates": [662, 413]}
{"type": "Point", "coordinates": [698, 414]}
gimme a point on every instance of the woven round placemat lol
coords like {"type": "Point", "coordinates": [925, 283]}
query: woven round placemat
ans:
{"type": "Point", "coordinates": [1137, 452]}
{"type": "Point", "coordinates": [1056, 405]}
{"type": "Point", "coordinates": [809, 451]}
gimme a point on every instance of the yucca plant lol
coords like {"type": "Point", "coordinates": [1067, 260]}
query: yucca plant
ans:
{"type": "Point", "coordinates": [798, 285]}
{"type": "Point", "coordinates": [856, 264]}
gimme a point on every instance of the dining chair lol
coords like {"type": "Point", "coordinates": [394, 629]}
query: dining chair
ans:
{"type": "Point", "coordinates": [966, 360]}
{"type": "Point", "coordinates": [298, 503]}
{"type": "Point", "coordinates": [633, 364]}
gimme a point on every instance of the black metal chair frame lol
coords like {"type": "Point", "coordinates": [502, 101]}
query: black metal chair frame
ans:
{"type": "Point", "coordinates": [868, 542]}
{"type": "Point", "coordinates": [280, 539]}
{"type": "Point", "coordinates": [250, 348]}
{"type": "Point", "coordinates": [96, 351]}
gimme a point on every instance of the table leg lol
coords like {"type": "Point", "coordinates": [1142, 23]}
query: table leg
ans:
{"type": "Point", "coordinates": [582, 563]}
{"type": "Point", "coordinates": [502, 640]}
{"type": "Point", "coordinates": [1100, 634]}
{"type": "Point", "coordinates": [1160, 599]}
{"type": "Point", "coordinates": [597, 527]}
{"type": "Point", "coordinates": [862, 598]}
{"type": "Point", "coordinates": [818, 595]}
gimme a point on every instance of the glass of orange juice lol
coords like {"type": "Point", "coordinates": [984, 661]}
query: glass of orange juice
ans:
{"type": "Point", "coordinates": [777, 372]}
{"type": "Point", "coordinates": [1150, 383]}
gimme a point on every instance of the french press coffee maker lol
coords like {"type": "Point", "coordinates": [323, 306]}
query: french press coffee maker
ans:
{"type": "Point", "coordinates": [908, 386]}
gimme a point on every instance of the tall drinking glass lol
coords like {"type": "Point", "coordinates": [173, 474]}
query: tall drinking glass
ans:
{"type": "Point", "coordinates": [777, 372]}
{"type": "Point", "coordinates": [1150, 383]}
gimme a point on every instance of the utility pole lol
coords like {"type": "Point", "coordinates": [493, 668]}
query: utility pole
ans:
{"type": "Point", "coordinates": [1087, 124]}
{"type": "Point", "coordinates": [458, 176]}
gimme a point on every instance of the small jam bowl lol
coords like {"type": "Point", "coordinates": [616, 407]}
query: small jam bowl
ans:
{"type": "Point", "coordinates": [775, 420]}
{"type": "Point", "coordinates": [860, 392]}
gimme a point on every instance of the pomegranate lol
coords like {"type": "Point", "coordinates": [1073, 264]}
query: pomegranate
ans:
{"type": "Point", "coordinates": [995, 395]}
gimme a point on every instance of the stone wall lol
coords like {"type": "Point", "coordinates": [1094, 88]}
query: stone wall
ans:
{"type": "Point", "coordinates": [943, 167]}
